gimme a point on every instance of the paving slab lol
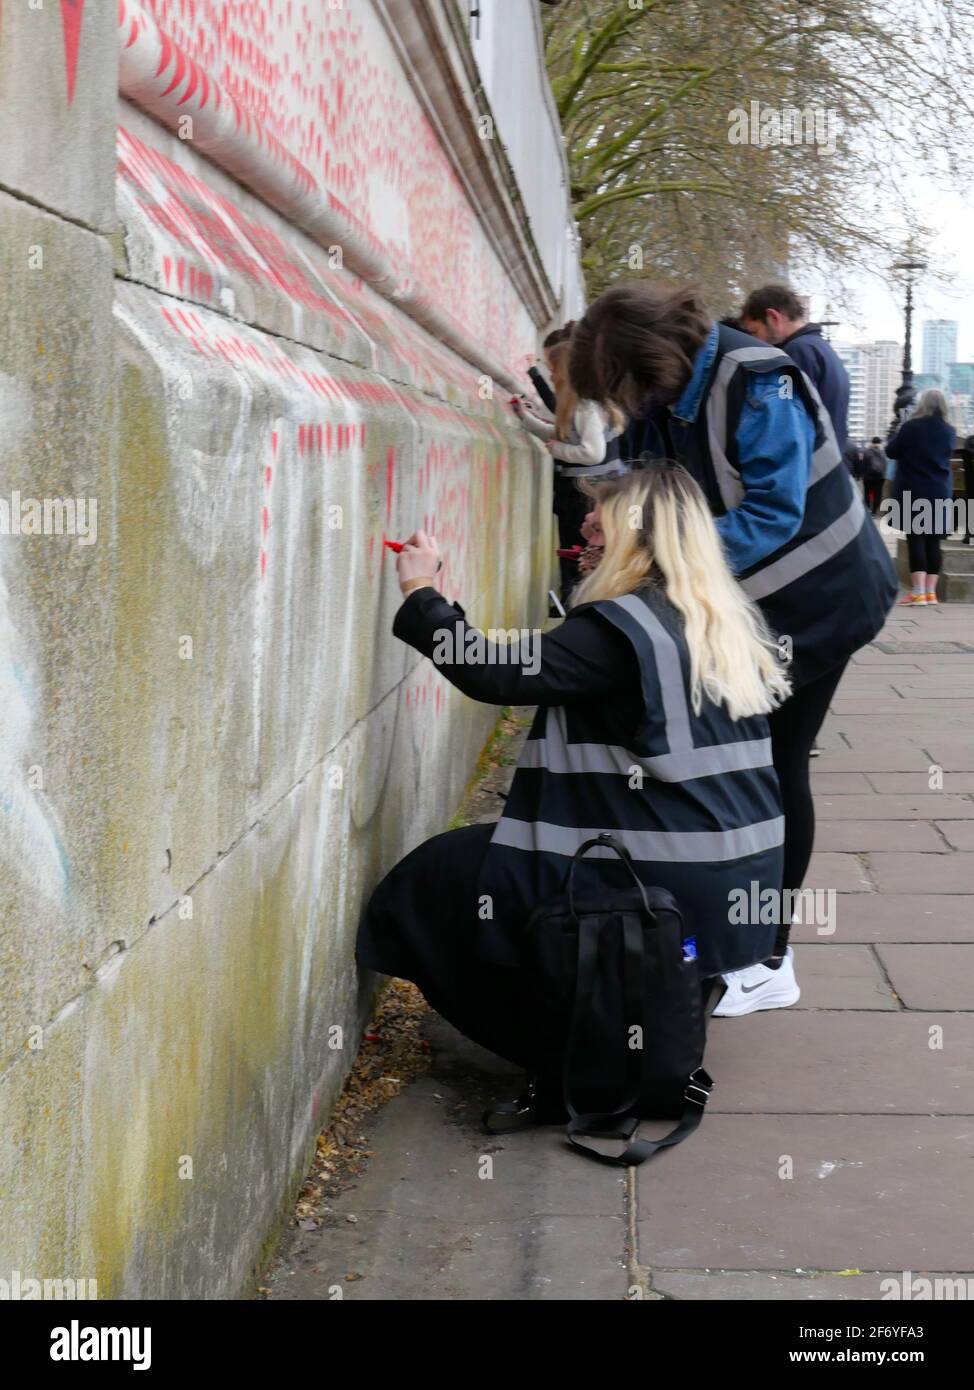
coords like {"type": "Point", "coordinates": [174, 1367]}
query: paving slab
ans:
{"type": "Point", "coordinates": [844, 873]}
{"type": "Point", "coordinates": [918, 783]}
{"type": "Point", "coordinates": [931, 977]}
{"type": "Point", "coordinates": [846, 1062]}
{"type": "Point", "coordinates": [857, 836]}
{"type": "Point", "coordinates": [898, 917]}
{"type": "Point", "coordinates": [826, 782]}
{"type": "Point", "coordinates": [736, 1285]}
{"type": "Point", "coordinates": [922, 873]}
{"type": "Point", "coordinates": [958, 833]}
{"type": "Point", "coordinates": [889, 806]}
{"type": "Point", "coordinates": [834, 976]}
{"type": "Point", "coordinates": [444, 1211]}
{"type": "Point", "coordinates": [902, 757]}
{"type": "Point", "coordinates": [867, 1192]}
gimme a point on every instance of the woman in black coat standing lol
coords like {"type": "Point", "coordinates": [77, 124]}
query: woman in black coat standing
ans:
{"type": "Point", "coordinates": [922, 448]}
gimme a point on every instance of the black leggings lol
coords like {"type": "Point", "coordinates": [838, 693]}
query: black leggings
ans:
{"type": "Point", "coordinates": [924, 553]}
{"type": "Point", "coordinates": [571, 507]}
{"type": "Point", "coordinates": [793, 730]}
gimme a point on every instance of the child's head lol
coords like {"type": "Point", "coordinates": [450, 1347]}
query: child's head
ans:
{"type": "Point", "coordinates": [659, 532]}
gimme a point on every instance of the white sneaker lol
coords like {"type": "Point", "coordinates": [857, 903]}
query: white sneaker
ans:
{"type": "Point", "coordinates": [757, 987]}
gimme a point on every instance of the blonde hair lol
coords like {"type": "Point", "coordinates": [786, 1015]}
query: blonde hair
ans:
{"type": "Point", "coordinates": [659, 531]}
{"type": "Point", "coordinates": [566, 397]}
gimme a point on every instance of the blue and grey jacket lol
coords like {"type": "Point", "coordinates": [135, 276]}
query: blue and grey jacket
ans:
{"type": "Point", "coordinates": [752, 430]}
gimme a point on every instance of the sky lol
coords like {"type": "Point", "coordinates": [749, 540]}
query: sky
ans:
{"type": "Point", "coordinates": [878, 308]}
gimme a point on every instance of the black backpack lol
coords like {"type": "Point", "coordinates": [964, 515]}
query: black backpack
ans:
{"type": "Point", "coordinates": [613, 1008]}
{"type": "Point", "coordinates": [874, 463]}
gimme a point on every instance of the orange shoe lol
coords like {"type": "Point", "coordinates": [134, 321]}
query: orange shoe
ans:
{"type": "Point", "coordinates": [931, 598]}
{"type": "Point", "coordinates": [913, 601]}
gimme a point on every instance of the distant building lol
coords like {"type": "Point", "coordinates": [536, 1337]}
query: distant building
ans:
{"type": "Point", "coordinates": [853, 358]}
{"type": "Point", "coordinates": [961, 377]}
{"type": "Point", "coordinates": [961, 410]}
{"type": "Point", "coordinates": [939, 347]}
{"type": "Point", "coordinates": [883, 373]}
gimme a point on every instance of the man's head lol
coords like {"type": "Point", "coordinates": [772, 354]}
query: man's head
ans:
{"type": "Point", "coordinates": [638, 340]}
{"type": "Point", "coordinates": [772, 313]}
{"type": "Point", "coordinates": [875, 439]}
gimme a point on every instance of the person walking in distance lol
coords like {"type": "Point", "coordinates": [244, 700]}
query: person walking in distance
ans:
{"type": "Point", "coordinates": [874, 463]}
{"type": "Point", "coordinates": [744, 420]}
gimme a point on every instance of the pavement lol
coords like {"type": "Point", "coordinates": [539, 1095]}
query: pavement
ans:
{"type": "Point", "coordinates": [838, 1149]}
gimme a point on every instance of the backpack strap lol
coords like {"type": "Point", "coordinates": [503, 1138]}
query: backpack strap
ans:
{"type": "Point", "coordinates": [695, 1098]}
{"type": "Point", "coordinates": [588, 940]}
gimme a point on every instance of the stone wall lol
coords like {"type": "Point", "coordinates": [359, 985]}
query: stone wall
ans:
{"type": "Point", "coordinates": [252, 348]}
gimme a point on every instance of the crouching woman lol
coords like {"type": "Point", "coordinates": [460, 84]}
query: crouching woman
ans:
{"type": "Point", "coordinates": [652, 697]}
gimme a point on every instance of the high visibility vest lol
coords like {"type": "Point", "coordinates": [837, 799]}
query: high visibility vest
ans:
{"type": "Point", "coordinates": [693, 797]}
{"type": "Point", "coordinates": [610, 466]}
{"type": "Point", "coordinates": [828, 590]}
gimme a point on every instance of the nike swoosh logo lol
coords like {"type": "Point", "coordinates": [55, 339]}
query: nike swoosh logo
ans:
{"type": "Point", "coordinates": [749, 989]}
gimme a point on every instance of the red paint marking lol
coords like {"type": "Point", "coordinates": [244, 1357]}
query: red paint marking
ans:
{"type": "Point", "coordinates": [390, 476]}
{"type": "Point", "coordinates": [72, 12]}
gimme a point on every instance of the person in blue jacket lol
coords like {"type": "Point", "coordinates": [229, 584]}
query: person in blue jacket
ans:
{"type": "Point", "coordinates": [776, 315]}
{"type": "Point", "coordinates": [744, 420]}
{"type": "Point", "coordinates": [922, 448]}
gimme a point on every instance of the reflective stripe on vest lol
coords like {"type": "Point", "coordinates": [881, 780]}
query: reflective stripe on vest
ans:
{"type": "Point", "coordinates": [554, 754]}
{"type": "Point", "coordinates": [827, 453]}
{"type": "Point", "coordinates": [609, 468]}
{"type": "Point", "coordinates": [677, 846]}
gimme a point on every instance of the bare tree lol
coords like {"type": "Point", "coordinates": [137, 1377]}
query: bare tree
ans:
{"type": "Point", "coordinates": [653, 95]}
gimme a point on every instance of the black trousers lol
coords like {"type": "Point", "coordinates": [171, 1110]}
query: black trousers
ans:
{"type": "Point", "coordinates": [794, 727]}
{"type": "Point", "coordinates": [571, 507]}
{"type": "Point", "coordinates": [925, 554]}
{"type": "Point", "coordinates": [873, 490]}
{"type": "Point", "coordinates": [421, 925]}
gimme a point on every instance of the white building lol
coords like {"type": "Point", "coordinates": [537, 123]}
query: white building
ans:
{"type": "Point", "coordinates": [853, 358]}
{"type": "Point", "coordinates": [883, 373]}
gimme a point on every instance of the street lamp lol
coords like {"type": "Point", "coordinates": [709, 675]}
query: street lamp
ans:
{"type": "Point", "coordinates": [906, 394]}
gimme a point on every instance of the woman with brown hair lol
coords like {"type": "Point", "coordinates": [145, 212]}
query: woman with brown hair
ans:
{"type": "Point", "coordinates": [583, 440]}
{"type": "Point", "coordinates": [752, 430]}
